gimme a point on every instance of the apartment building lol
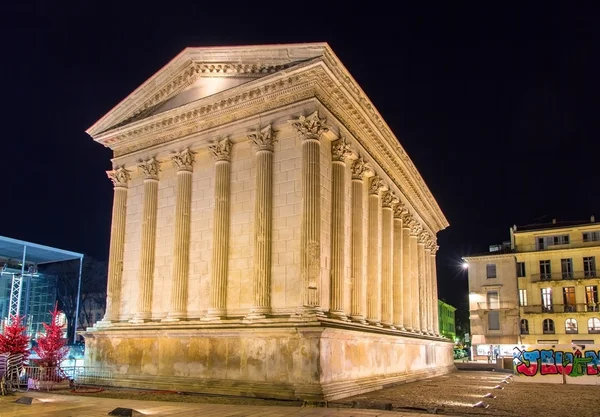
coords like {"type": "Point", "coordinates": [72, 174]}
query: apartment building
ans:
{"type": "Point", "coordinates": [541, 287]}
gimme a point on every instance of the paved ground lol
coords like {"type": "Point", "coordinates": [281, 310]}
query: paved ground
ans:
{"type": "Point", "coordinates": [450, 395]}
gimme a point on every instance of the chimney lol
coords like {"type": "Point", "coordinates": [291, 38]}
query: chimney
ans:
{"type": "Point", "coordinates": [553, 221]}
{"type": "Point", "coordinates": [592, 219]}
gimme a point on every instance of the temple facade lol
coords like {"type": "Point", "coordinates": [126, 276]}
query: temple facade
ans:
{"type": "Point", "coordinates": [270, 236]}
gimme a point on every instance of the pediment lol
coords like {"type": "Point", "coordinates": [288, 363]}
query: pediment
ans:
{"type": "Point", "coordinates": [197, 73]}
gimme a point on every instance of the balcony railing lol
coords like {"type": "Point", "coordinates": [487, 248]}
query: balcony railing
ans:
{"type": "Point", "coordinates": [502, 305]}
{"type": "Point", "coordinates": [561, 308]}
{"type": "Point", "coordinates": [558, 276]}
{"type": "Point", "coordinates": [572, 244]}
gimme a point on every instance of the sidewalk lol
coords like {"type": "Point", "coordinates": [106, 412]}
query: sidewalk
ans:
{"type": "Point", "coordinates": [49, 405]}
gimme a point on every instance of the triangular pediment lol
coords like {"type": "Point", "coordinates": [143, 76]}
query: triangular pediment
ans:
{"type": "Point", "coordinates": [197, 73]}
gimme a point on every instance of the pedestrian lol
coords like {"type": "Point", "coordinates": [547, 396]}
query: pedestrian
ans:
{"type": "Point", "coordinates": [496, 353]}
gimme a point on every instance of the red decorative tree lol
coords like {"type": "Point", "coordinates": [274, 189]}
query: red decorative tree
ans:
{"type": "Point", "coordinates": [14, 341]}
{"type": "Point", "coordinates": [51, 346]}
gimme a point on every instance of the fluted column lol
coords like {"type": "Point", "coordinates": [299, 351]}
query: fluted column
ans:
{"type": "Point", "coordinates": [150, 169]}
{"type": "Point", "coordinates": [119, 178]}
{"type": "Point", "coordinates": [415, 229]}
{"type": "Point", "coordinates": [436, 327]}
{"type": "Point", "coordinates": [310, 128]}
{"type": "Point", "coordinates": [422, 282]}
{"type": "Point", "coordinates": [407, 271]}
{"type": "Point", "coordinates": [387, 259]}
{"type": "Point", "coordinates": [339, 152]}
{"type": "Point", "coordinates": [184, 161]}
{"type": "Point", "coordinates": [398, 284]}
{"type": "Point", "coordinates": [263, 141]}
{"type": "Point", "coordinates": [428, 286]}
{"type": "Point", "coordinates": [358, 295]}
{"type": "Point", "coordinates": [376, 185]}
{"type": "Point", "coordinates": [221, 152]}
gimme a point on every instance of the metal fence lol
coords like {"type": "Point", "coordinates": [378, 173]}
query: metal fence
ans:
{"type": "Point", "coordinates": [40, 378]}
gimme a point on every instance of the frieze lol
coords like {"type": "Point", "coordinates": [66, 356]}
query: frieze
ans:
{"type": "Point", "coordinates": [263, 139]}
{"type": "Point", "coordinates": [340, 149]}
{"type": "Point", "coordinates": [150, 168]}
{"type": "Point", "coordinates": [184, 160]}
{"type": "Point", "coordinates": [311, 126]}
{"type": "Point", "coordinates": [376, 184]}
{"type": "Point", "coordinates": [221, 149]}
{"type": "Point", "coordinates": [119, 176]}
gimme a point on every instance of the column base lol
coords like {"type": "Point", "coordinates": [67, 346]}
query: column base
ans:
{"type": "Point", "coordinates": [104, 323]}
{"type": "Point", "coordinates": [374, 323]}
{"type": "Point", "coordinates": [214, 314]}
{"type": "Point", "coordinates": [257, 313]}
{"type": "Point", "coordinates": [388, 326]}
{"type": "Point", "coordinates": [339, 315]}
{"type": "Point", "coordinates": [141, 318]}
{"type": "Point", "coordinates": [174, 316]}
{"type": "Point", "coordinates": [400, 327]}
{"type": "Point", "coordinates": [358, 319]}
{"type": "Point", "coordinates": [309, 311]}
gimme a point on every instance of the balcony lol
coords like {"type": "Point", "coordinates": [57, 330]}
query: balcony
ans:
{"type": "Point", "coordinates": [503, 305]}
{"type": "Point", "coordinates": [561, 308]}
{"type": "Point", "coordinates": [559, 276]}
{"type": "Point", "coordinates": [572, 244]}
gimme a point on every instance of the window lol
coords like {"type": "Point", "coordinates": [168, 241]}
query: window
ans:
{"type": "Point", "coordinates": [560, 240]}
{"type": "Point", "coordinates": [591, 236]}
{"type": "Point", "coordinates": [491, 270]}
{"type": "Point", "coordinates": [492, 300]}
{"type": "Point", "coordinates": [566, 267]}
{"type": "Point", "coordinates": [548, 326]}
{"type": "Point", "coordinates": [571, 326]}
{"type": "Point", "coordinates": [494, 320]}
{"type": "Point", "coordinates": [589, 266]}
{"type": "Point", "coordinates": [594, 325]}
{"type": "Point", "coordinates": [591, 297]}
{"type": "Point", "coordinates": [546, 299]}
{"type": "Point", "coordinates": [569, 299]}
{"type": "Point", "coordinates": [524, 326]}
{"type": "Point", "coordinates": [520, 269]}
{"type": "Point", "coordinates": [522, 298]}
{"type": "Point", "coordinates": [545, 274]}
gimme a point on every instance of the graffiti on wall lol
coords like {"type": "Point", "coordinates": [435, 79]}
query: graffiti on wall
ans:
{"type": "Point", "coordinates": [566, 360]}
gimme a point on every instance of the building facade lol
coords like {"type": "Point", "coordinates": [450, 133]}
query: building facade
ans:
{"type": "Point", "coordinates": [268, 233]}
{"type": "Point", "coordinates": [539, 288]}
{"type": "Point", "coordinates": [447, 320]}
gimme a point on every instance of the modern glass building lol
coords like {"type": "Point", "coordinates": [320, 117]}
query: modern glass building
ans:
{"type": "Point", "coordinates": [24, 291]}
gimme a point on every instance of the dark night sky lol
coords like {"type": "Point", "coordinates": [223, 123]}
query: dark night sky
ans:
{"type": "Point", "coordinates": [498, 108]}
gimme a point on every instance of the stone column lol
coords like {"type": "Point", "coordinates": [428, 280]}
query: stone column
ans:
{"type": "Point", "coordinates": [415, 229]}
{"type": "Point", "coordinates": [398, 284]}
{"type": "Point", "coordinates": [221, 152]}
{"type": "Point", "coordinates": [150, 169]}
{"type": "Point", "coordinates": [376, 185]}
{"type": "Point", "coordinates": [184, 162]}
{"type": "Point", "coordinates": [387, 259]}
{"type": "Point", "coordinates": [429, 286]}
{"type": "Point", "coordinates": [407, 271]}
{"type": "Point", "coordinates": [263, 141]}
{"type": "Point", "coordinates": [358, 309]}
{"type": "Point", "coordinates": [310, 128]}
{"type": "Point", "coordinates": [339, 152]}
{"type": "Point", "coordinates": [436, 327]}
{"type": "Point", "coordinates": [422, 283]}
{"type": "Point", "coordinates": [119, 178]}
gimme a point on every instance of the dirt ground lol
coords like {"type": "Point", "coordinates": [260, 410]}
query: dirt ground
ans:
{"type": "Point", "coordinates": [452, 394]}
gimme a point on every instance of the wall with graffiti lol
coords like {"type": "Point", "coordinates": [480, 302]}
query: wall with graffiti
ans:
{"type": "Point", "coordinates": [559, 364]}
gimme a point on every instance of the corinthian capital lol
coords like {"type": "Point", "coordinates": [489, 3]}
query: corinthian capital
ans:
{"type": "Point", "coordinates": [340, 149]}
{"type": "Point", "coordinates": [434, 249]}
{"type": "Point", "coordinates": [376, 184]}
{"type": "Point", "coordinates": [221, 149]}
{"type": "Point", "coordinates": [150, 168]}
{"type": "Point", "coordinates": [415, 227]}
{"type": "Point", "coordinates": [423, 237]}
{"type": "Point", "coordinates": [388, 199]}
{"type": "Point", "coordinates": [119, 176]}
{"type": "Point", "coordinates": [184, 160]}
{"type": "Point", "coordinates": [359, 168]}
{"type": "Point", "coordinates": [310, 127]}
{"type": "Point", "coordinates": [400, 210]}
{"type": "Point", "coordinates": [263, 139]}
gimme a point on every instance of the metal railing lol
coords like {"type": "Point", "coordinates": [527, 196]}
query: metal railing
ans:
{"type": "Point", "coordinates": [500, 305]}
{"type": "Point", "coordinates": [36, 377]}
{"type": "Point", "coordinates": [562, 308]}
{"type": "Point", "coordinates": [558, 276]}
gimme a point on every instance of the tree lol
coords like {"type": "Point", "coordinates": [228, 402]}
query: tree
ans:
{"type": "Point", "coordinates": [51, 346]}
{"type": "Point", "coordinates": [93, 289]}
{"type": "Point", "coordinates": [14, 341]}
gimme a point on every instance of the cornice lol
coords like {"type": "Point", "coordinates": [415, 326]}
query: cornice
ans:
{"type": "Point", "coordinates": [312, 79]}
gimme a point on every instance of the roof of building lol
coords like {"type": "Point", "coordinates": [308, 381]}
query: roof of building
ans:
{"type": "Point", "coordinates": [554, 225]}
{"type": "Point", "coordinates": [34, 252]}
